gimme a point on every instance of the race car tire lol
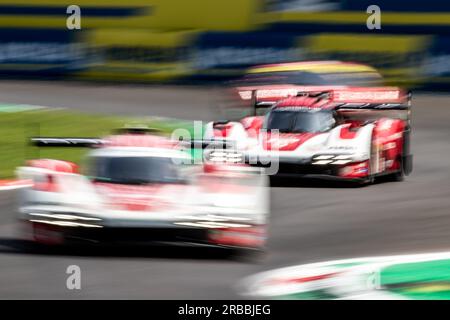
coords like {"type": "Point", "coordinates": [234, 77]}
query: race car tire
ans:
{"type": "Point", "coordinates": [407, 164]}
{"type": "Point", "coordinates": [369, 180]}
{"type": "Point", "coordinates": [400, 174]}
{"type": "Point", "coordinates": [46, 235]}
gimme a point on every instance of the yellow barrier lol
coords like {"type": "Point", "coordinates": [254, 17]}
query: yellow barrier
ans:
{"type": "Point", "coordinates": [232, 15]}
{"type": "Point", "coordinates": [142, 54]}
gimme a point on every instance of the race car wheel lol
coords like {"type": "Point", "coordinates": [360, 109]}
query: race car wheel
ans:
{"type": "Point", "coordinates": [370, 180]}
{"type": "Point", "coordinates": [47, 235]}
{"type": "Point", "coordinates": [399, 175]}
{"type": "Point", "coordinates": [405, 160]}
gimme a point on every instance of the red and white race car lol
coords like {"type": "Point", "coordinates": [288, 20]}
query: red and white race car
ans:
{"type": "Point", "coordinates": [142, 188]}
{"type": "Point", "coordinates": [333, 132]}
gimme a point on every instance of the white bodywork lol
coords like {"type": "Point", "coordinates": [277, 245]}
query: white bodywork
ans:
{"type": "Point", "coordinates": [79, 202]}
{"type": "Point", "coordinates": [329, 143]}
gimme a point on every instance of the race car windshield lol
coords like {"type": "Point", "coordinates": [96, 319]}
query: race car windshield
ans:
{"type": "Point", "coordinates": [134, 170]}
{"type": "Point", "coordinates": [300, 121]}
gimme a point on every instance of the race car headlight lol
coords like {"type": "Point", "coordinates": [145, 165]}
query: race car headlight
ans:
{"type": "Point", "coordinates": [211, 221]}
{"type": "Point", "coordinates": [65, 220]}
{"type": "Point", "coordinates": [66, 223]}
{"type": "Point", "coordinates": [332, 159]}
{"type": "Point", "coordinates": [225, 156]}
{"type": "Point", "coordinates": [63, 216]}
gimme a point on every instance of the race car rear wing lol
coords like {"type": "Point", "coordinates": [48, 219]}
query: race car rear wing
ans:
{"type": "Point", "coordinates": [373, 103]}
{"type": "Point", "coordinates": [372, 98]}
{"type": "Point", "coordinates": [381, 97]}
{"type": "Point", "coordinates": [66, 142]}
{"type": "Point", "coordinates": [211, 144]}
{"type": "Point", "coordinates": [259, 105]}
{"type": "Point", "coordinates": [89, 142]}
{"type": "Point", "coordinates": [97, 142]}
{"type": "Point", "coordinates": [350, 97]}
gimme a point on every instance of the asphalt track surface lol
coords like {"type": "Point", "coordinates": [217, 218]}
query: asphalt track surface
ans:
{"type": "Point", "coordinates": [310, 222]}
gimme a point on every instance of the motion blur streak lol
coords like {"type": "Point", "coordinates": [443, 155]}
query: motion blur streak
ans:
{"type": "Point", "coordinates": [310, 222]}
{"type": "Point", "coordinates": [297, 88]}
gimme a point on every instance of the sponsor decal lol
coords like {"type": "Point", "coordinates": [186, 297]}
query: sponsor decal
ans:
{"type": "Point", "coordinates": [135, 198]}
{"type": "Point", "coordinates": [350, 96]}
{"type": "Point", "coordinates": [270, 93]}
{"type": "Point", "coordinates": [342, 148]}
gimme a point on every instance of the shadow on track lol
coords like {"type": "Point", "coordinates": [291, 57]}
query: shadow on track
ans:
{"type": "Point", "coordinates": [281, 182]}
{"type": "Point", "coordinates": [17, 246]}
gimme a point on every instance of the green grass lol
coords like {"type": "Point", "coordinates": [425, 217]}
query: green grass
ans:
{"type": "Point", "coordinates": [17, 127]}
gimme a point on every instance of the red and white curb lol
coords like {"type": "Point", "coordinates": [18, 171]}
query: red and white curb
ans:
{"type": "Point", "coordinates": [344, 279]}
{"type": "Point", "coordinates": [12, 184]}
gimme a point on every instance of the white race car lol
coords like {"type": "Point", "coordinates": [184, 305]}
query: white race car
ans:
{"type": "Point", "coordinates": [141, 188]}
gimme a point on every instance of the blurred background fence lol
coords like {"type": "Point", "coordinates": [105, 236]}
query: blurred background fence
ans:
{"type": "Point", "coordinates": [205, 40]}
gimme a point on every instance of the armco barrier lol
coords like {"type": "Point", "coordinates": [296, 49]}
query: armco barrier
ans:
{"type": "Point", "coordinates": [40, 52]}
